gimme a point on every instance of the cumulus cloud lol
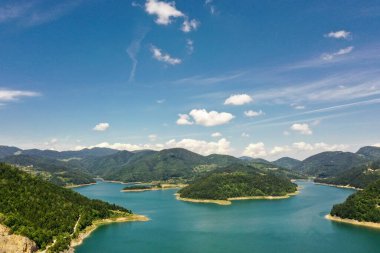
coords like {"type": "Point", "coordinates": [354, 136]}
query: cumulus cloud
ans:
{"type": "Point", "coordinates": [199, 146]}
{"type": "Point", "coordinates": [376, 145]}
{"type": "Point", "coordinates": [342, 34]}
{"type": "Point", "coordinates": [212, 118]}
{"type": "Point", "coordinates": [302, 128]}
{"type": "Point", "coordinates": [190, 25]}
{"type": "Point", "coordinates": [163, 10]}
{"type": "Point", "coordinates": [331, 56]}
{"type": "Point", "coordinates": [202, 147]}
{"type": "Point", "coordinates": [101, 127]}
{"type": "Point", "coordinates": [255, 150]}
{"type": "Point", "coordinates": [7, 95]}
{"type": "Point", "coordinates": [184, 119]}
{"type": "Point", "coordinates": [252, 114]}
{"type": "Point", "coordinates": [163, 57]}
{"type": "Point", "coordinates": [238, 99]}
{"type": "Point", "coordinates": [216, 135]}
{"type": "Point", "coordinates": [295, 149]}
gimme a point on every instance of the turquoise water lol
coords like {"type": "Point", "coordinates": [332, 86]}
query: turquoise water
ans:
{"type": "Point", "coordinates": [290, 225]}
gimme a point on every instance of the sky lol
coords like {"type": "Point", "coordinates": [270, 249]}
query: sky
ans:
{"type": "Point", "coordinates": [249, 78]}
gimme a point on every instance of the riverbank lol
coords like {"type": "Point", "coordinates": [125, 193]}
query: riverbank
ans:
{"type": "Point", "coordinates": [353, 222]}
{"type": "Point", "coordinates": [229, 200]}
{"type": "Point", "coordinates": [157, 188]}
{"type": "Point", "coordinates": [78, 185]}
{"type": "Point", "coordinates": [339, 186]}
{"type": "Point", "coordinates": [88, 230]}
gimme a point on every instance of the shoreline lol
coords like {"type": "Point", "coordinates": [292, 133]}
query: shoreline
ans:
{"type": "Point", "coordinates": [339, 186]}
{"type": "Point", "coordinates": [229, 200]}
{"type": "Point", "coordinates": [78, 185]}
{"type": "Point", "coordinates": [353, 222]}
{"type": "Point", "coordinates": [163, 187]}
{"type": "Point", "coordinates": [88, 230]}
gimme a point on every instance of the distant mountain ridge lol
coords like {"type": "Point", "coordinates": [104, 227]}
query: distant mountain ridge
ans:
{"type": "Point", "coordinates": [148, 165]}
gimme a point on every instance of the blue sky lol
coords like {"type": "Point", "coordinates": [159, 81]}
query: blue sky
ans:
{"type": "Point", "coordinates": [257, 78]}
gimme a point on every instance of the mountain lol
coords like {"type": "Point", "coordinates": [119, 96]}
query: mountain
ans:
{"type": "Point", "coordinates": [287, 163]}
{"type": "Point", "coordinates": [237, 181]}
{"type": "Point", "coordinates": [42, 211]}
{"type": "Point", "coordinates": [55, 171]}
{"type": "Point", "coordinates": [358, 177]}
{"type": "Point", "coordinates": [7, 151]}
{"type": "Point", "coordinates": [52, 154]}
{"type": "Point", "coordinates": [361, 206]}
{"type": "Point", "coordinates": [373, 153]}
{"type": "Point", "coordinates": [330, 163]}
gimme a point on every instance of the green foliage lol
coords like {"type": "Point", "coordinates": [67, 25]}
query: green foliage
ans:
{"type": "Point", "coordinates": [328, 164]}
{"type": "Point", "coordinates": [43, 211]}
{"type": "Point", "coordinates": [358, 177]}
{"type": "Point", "coordinates": [362, 206]}
{"type": "Point", "coordinates": [287, 163]}
{"type": "Point", "coordinates": [237, 181]}
{"type": "Point", "coordinates": [55, 171]}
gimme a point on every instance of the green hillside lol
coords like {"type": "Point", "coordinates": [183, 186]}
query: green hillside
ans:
{"type": "Point", "coordinates": [362, 206]}
{"type": "Point", "coordinates": [55, 171]}
{"type": "Point", "coordinates": [287, 163]}
{"type": "Point", "coordinates": [358, 177]}
{"type": "Point", "coordinates": [43, 211]}
{"type": "Point", "coordinates": [237, 181]}
{"type": "Point", "coordinates": [331, 163]}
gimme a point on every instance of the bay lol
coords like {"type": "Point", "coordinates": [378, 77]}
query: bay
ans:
{"type": "Point", "coordinates": [289, 225]}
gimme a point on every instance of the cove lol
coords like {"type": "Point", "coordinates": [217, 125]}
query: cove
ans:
{"type": "Point", "coordinates": [292, 225]}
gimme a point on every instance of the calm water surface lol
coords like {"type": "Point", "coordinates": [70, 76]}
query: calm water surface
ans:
{"type": "Point", "coordinates": [290, 225]}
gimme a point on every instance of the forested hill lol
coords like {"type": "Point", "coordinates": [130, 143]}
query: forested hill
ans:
{"type": "Point", "coordinates": [243, 181]}
{"type": "Point", "coordinates": [359, 177]}
{"type": "Point", "coordinates": [362, 206]}
{"type": "Point", "coordinates": [55, 171]}
{"type": "Point", "coordinates": [42, 211]}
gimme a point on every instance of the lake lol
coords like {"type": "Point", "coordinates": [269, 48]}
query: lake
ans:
{"type": "Point", "coordinates": [289, 225]}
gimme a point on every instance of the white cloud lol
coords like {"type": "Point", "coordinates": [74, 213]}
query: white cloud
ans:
{"type": "Point", "coordinates": [376, 145]}
{"type": "Point", "coordinates": [101, 127]}
{"type": "Point", "coordinates": [190, 25]}
{"type": "Point", "coordinates": [7, 95]}
{"type": "Point", "coordinates": [286, 133]}
{"type": "Point", "coordinates": [199, 146]}
{"type": "Point", "coordinates": [238, 99]}
{"type": "Point", "coordinates": [164, 11]}
{"type": "Point", "coordinates": [212, 118]}
{"type": "Point", "coordinates": [160, 101]}
{"type": "Point", "coordinates": [342, 34]}
{"type": "Point", "coordinates": [184, 119]}
{"type": "Point", "coordinates": [301, 128]}
{"type": "Point", "coordinates": [152, 137]}
{"type": "Point", "coordinates": [190, 46]}
{"type": "Point", "coordinates": [255, 150]}
{"type": "Point", "coordinates": [158, 55]}
{"type": "Point", "coordinates": [343, 51]}
{"type": "Point", "coordinates": [216, 135]}
{"type": "Point", "coordinates": [252, 114]}
{"type": "Point", "coordinates": [202, 147]}
{"type": "Point", "coordinates": [280, 150]}
{"type": "Point", "coordinates": [211, 6]}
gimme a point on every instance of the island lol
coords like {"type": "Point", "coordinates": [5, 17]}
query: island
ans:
{"type": "Point", "coordinates": [152, 187]}
{"type": "Point", "coordinates": [223, 187]}
{"type": "Point", "coordinates": [39, 215]}
{"type": "Point", "coordinates": [361, 208]}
